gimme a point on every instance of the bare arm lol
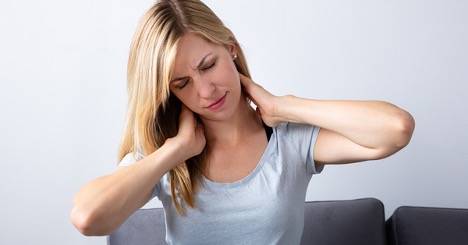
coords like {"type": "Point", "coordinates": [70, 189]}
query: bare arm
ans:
{"type": "Point", "coordinates": [105, 203]}
{"type": "Point", "coordinates": [351, 131]}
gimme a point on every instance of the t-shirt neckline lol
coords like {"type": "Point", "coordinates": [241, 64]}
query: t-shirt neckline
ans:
{"type": "Point", "coordinates": [251, 175]}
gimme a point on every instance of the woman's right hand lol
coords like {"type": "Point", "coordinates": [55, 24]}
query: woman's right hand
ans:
{"type": "Point", "coordinates": [103, 204]}
{"type": "Point", "coordinates": [191, 136]}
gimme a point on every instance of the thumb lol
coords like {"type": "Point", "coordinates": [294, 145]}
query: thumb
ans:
{"type": "Point", "coordinates": [258, 111]}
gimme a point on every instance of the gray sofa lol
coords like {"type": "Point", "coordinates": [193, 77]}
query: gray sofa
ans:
{"type": "Point", "coordinates": [344, 222]}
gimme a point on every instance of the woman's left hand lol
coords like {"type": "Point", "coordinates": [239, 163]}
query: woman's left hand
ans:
{"type": "Point", "coordinates": [267, 103]}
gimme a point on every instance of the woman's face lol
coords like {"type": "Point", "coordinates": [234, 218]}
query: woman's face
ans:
{"type": "Point", "coordinates": [205, 78]}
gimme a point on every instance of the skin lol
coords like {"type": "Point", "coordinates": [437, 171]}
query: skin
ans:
{"type": "Point", "coordinates": [207, 75]}
{"type": "Point", "coordinates": [351, 131]}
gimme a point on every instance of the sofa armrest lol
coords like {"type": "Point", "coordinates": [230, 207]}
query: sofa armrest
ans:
{"type": "Point", "coordinates": [428, 226]}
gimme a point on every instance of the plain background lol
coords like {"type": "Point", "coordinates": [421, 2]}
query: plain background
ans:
{"type": "Point", "coordinates": [63, 95]}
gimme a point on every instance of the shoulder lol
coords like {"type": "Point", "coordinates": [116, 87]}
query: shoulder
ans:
{"type": "Point", "coordinates": [292, 129]}
{"type": "Point", "coordinates": [131, 158]}
{"type": "Point", "coordinates": [298, 140]}
{"type": "Point", "coordinates": [300, 136]}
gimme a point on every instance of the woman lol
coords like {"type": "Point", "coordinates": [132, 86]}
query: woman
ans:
{"type": "Point", "coordinates": [223, 170]}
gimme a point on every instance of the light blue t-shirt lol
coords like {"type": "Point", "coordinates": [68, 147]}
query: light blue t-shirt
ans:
{"type": "Point", "coordinates": [266, 207]}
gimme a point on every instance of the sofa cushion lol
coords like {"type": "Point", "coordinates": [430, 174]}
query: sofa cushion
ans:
{"type": "Point", "coordinates": [348, 222]}
{"type": "Point", "coordinates": [428, 226]}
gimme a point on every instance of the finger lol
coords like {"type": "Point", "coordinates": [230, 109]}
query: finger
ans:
{"type": "Point", "coordinates": [200, 128]}
{"type": "Point", "coordinates": [245, 81]}
{"type": "Point", "coordinates": [258, 111]}
{"type": "Point", "coordinates": [187, 117]}
{"type": "Point", "coordinates": [249, 85]}
{"type": "Point", "coordinates": [184, 109]}
{"type": "Point", "coordinates": [183, 113]}
{"type": "Point", "coordinates": [246, 86]}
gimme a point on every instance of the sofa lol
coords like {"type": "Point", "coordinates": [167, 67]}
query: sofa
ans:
{"type": "Point", "coordinates": [342, 222]}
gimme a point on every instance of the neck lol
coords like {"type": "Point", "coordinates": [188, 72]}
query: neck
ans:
{"type": "Point", "coordinates": [244, 122]}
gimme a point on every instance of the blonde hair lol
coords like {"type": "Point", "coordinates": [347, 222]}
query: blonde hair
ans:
{"type": "Point", "coordinates": [152, 111]}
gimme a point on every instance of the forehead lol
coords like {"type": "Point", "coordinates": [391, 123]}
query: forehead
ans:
{"type": "Point", "coordinates": [191, 49]}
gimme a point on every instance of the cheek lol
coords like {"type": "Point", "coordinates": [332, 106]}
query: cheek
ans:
{"type": "Point", "coordinates": [228, 74]}
{"type": "Point", "coordinates": [187, 98]}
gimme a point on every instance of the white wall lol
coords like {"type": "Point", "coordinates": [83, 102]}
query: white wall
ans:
{"type": "Point", "coordinates": [63, 95]}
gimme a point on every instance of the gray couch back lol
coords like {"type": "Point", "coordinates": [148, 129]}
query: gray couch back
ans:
{"type": "Point", "coordinates": [428, 226]}
{"type": "Point", "coordinates": [350, 222]}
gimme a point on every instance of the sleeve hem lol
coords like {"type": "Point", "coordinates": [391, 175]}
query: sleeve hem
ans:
{"type": "Point", "coordinates": [311, 166]}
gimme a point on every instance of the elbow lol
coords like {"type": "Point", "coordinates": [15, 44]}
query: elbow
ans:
{"type": "Point", "coordinates": [399, 133]}
{"type": "Point", "coordinates": [403, 130]}
{"type": "Point", "coordinates": [81, 221]}
{"type": "Point", "coordinates": [86, 223]}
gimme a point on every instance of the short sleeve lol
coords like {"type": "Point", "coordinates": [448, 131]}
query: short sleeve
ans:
{"type": "Point", "coordinates": [130, 159]}
{"type": "Point", "coordinates": [303, 137]}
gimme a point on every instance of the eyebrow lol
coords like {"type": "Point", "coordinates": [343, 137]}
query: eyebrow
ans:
{"type": "Point", "coordinates": [198, 67]}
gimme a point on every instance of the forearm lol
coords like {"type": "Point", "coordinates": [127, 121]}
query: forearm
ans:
{"type": "Point", "coordinates": [372, 124]}
{"type": "Point", "coordinates": [104, 204]}
{"type": "Point", "coordinates": [352, 131]}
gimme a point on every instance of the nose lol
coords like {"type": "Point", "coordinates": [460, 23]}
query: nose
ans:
{"type": "Point", "coordinates": [204, 87]}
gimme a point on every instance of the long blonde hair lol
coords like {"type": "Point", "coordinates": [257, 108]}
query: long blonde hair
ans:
{"type": "Point", "coordinates": [152, 111]}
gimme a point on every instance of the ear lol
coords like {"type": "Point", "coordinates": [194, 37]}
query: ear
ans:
{"type": "Point", "coordinates": [232, 50]}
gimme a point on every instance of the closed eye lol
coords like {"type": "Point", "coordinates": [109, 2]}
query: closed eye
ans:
{"type": "Point", "coordinates": [183, 83]}
{"type": "Point", "coordinates": [209, 66]}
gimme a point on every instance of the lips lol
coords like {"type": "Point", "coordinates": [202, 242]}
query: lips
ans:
{"type": "Point", "coordinates": [218, 103]}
